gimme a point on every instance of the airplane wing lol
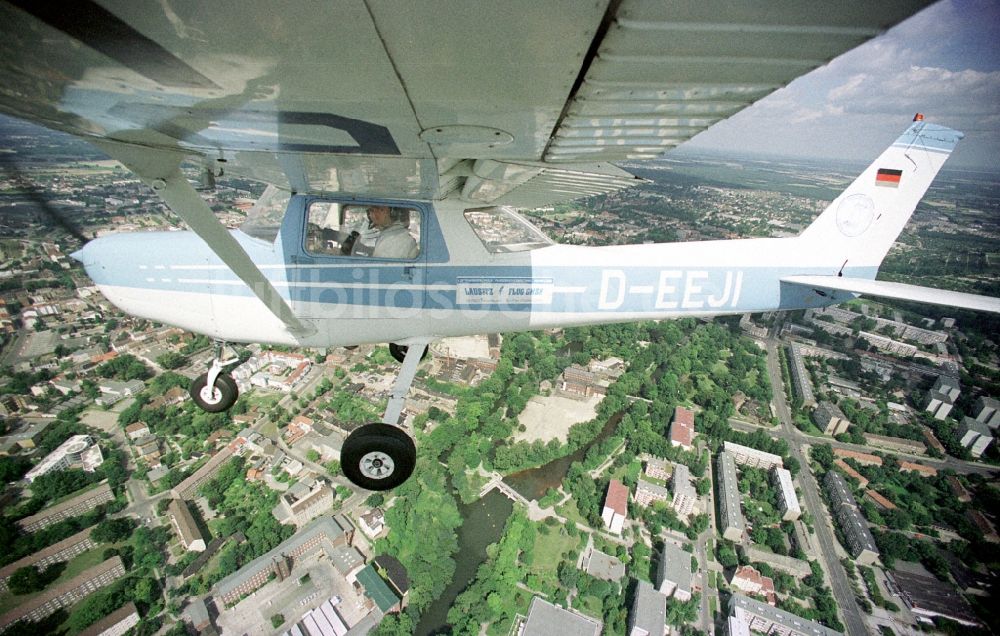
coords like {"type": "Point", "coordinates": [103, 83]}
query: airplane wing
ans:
{"type": "Point", "coordinates": [519, 101]}
{"type": "Point", "coordinates": [898, 291]}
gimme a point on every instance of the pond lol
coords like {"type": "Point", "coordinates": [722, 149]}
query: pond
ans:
{"type": "Point", "coordinates": [534, 482]}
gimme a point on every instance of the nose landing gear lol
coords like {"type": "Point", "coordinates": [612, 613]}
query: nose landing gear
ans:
{"type": "Point", "coordinates": [215, 391]}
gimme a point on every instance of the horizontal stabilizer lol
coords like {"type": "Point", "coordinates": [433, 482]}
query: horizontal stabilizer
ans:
{"type": "Point", "coordinates": [899, 291]}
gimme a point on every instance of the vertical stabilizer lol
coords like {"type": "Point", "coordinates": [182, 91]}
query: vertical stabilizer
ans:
{"type": "Point", "coordinates": [856, 231]}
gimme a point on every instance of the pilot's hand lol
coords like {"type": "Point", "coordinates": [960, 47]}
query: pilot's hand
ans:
{"type": "Point", "coordinates": [369, 235]}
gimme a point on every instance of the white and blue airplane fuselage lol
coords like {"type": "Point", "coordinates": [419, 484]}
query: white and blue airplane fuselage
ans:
{"type": "Point", "coordinates": [458, 286]}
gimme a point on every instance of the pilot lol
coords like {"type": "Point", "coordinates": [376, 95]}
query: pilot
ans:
{"type": "Point", "coordinates": [386, 235]}
{"type": "Point", "coordinates": [389, 232]}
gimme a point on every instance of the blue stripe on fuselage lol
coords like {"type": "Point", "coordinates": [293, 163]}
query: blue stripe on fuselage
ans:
{"type": "Point", "coordinates": [521, 288]}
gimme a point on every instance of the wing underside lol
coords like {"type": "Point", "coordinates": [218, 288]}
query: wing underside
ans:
{"type": "Point", "coordinates": [518, 101]}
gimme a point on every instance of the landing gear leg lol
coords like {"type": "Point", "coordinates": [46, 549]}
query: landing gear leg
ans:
{"type": "Point", "coordinates": [215, 391]}
{"type": "Point", "coordinates": [382, 456]}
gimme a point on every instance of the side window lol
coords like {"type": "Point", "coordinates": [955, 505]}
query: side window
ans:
{"type": "Point", "coordinates": [370, 230]}
{"type": "Point", "coordinates": [502, 230]}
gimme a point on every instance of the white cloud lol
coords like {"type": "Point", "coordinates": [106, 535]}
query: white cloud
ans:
{"type": "Point", "coordinates": [848, 89]}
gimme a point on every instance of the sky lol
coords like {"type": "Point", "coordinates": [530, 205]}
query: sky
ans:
{"type": "Point", "coordinates": [943, 62]}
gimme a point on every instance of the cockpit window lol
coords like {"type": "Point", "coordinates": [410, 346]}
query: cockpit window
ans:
{"type": "Point", "coordinates": [373, 230]}
{"type": "Point", "coordinates": [264, 219]}
{"type": "Point", "coordinates": [502, 230]}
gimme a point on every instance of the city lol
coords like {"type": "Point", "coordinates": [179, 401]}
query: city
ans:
{"type": "Point", "coordinates": [818, 472]}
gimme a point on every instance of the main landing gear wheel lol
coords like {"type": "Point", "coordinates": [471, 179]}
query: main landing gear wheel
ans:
{"type": "Point", "coordinates": [378, 457]}
{"type": "Point", "coordinates": [214, 399]}
{"type": "Point", "coordinates": [399, 352]}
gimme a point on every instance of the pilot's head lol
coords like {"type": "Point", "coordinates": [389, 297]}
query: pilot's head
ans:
{"type": "Point", "coordinates": [382, 216]}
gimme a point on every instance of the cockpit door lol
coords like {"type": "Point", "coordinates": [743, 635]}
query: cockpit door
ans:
{"type": "Point", "coordinates": [359, 260]}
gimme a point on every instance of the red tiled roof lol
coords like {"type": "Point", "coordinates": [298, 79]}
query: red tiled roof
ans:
{"type": "Point", "coordinates": [751, 575]}
{"type": "Point", "coordinates": [850, 472]}
{"type": "Point", "coordinates": [957, 488]}
{"type": "Point", "coordinates": [617, 498]}
{"type": "Point", "coordinates": [879, 499]}
{"type": "Point", "coordinates": [682, 428]}
{"type": "Point", "coordinates": [863, 458]}
{"type": "Point", "coordinates": [926, 471]}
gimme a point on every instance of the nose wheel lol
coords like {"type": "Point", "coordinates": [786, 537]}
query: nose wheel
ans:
{"type": "Point", "coordinates": [215, 391]}
{"type": "Point", "coordinates": [215, 398]}
{"type": "Point", "coordinates": [378, 456]}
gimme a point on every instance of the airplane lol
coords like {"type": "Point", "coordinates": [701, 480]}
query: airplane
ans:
{"type": "Point", "coordinates": [435, 123]}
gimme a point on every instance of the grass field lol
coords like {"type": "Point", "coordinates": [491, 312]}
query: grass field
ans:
{"type": "Point", "coordinates": [549, 550]}
{"type": "Point", "coordinates": [571, 512]}
{"type": "Point", "coordinates": [75, 567]}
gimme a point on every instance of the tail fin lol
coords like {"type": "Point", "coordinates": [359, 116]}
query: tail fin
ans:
{"type": "Point", "coordinates": [856, 231]}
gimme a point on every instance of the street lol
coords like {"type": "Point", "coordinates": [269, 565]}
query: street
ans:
{"type": "Point", "coordinates": [839, 584]}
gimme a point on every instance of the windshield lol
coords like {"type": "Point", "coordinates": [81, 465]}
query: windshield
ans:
{"type": "Point", "coordinates": [501, 230]}
{"type": "Point", "coordinates": [264, 219]}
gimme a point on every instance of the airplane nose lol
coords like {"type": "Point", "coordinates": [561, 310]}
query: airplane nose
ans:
{"type": "Point", "coordinates": [85, 254]}
{"type": "Point", "coordinates": [93, 256]}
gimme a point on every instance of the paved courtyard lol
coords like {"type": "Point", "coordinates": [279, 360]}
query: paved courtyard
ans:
{"type": "Point", "coordinates": [292, 599]}
{"type": "Point", "coordinates": [548, 418]}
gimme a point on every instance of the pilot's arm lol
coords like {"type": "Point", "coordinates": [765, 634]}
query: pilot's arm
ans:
{"type": "Point", "coordinates": [347, 240]}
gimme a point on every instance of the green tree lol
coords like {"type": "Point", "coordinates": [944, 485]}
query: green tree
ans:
{"type": "Point", "coordinates": [113, 530]}
{"type": "Point", "coordinates": [822, 454]}
{"type": "Point", "coordinates": [26, 580]}
{"type": "Point", "coordinates": [171, 360]}
{"type": "Point", "coordinates": [13, 468]}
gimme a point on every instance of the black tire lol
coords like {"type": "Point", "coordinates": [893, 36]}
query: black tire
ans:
{"type": "Point", "coordinates": [221, 399]}
{"type": "Point", "coordinates": [399, 352]}
{"type": "Point", "coordinates": [378, 457]}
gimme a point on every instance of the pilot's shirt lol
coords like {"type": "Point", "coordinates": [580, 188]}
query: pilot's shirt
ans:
{"type": "Point", "coordinates": [395, 241]}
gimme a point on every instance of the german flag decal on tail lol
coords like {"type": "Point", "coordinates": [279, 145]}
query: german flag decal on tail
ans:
{"type": "Point", "coordinates": [888, 178]}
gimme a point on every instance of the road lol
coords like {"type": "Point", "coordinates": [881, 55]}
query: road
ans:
{"type": "Point", "coordinates": [707, 592]}
{"type": "Point", "coordinates": [839, 584]}
{"type": "Point", "coordinates": [707, 619]}
{"type": "Point", "coordinates": [143, 505]}
{"type": "Point", "coordinates": [795, 437]}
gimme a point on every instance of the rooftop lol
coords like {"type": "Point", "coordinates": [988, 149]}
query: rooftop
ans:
{"type": "Point", "coordinates": [797, 624]}
{"type": "Point", "coordinates": [682, 428]}
{"type": "Point", "coordinates": [617, 498]}
{"type": "Point", "coordinates": [113, 619]}
{"type": "Point", "coordinates": [376, 589]}
{"type": "Point", "coordinates": [969, 424]}
{"type": "Point", "coordinates": [650, 487]}
{"type": "Point", "coordinates": [546, 619]}
{"type": "Point", "coordinates": [649, 611]}
{"type": "Point", "coordinates": [931, 597]}
{"type": "Point", "coordinates": [675, 567]}
{"type": "Point", "coordinates": [863, 458]}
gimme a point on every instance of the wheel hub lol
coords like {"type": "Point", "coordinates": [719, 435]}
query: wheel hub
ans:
{"type": "Point", "coordinates": [377, 465]}
{"type": "Point", "coordinates": [210, 394]}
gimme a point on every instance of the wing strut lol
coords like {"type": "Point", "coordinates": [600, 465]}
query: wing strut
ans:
{"type": "Point", "coordinates": [161, 171]}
